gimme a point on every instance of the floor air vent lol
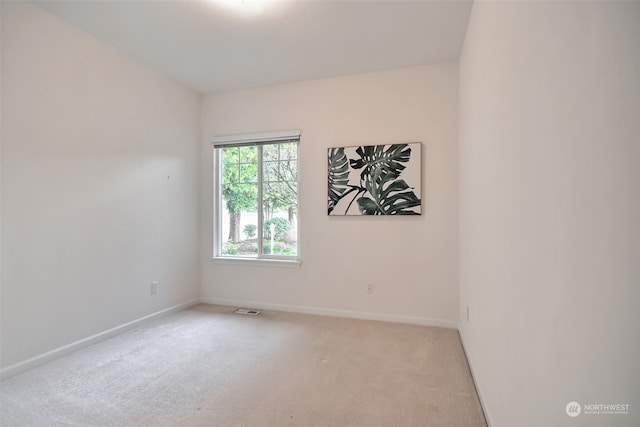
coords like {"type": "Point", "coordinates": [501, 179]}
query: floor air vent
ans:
{"type": "Point", "coordinates": [248, 311]}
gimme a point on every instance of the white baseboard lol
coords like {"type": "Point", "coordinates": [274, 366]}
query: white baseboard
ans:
{"type": "Point", "coordinates": [41, 359]}
{"type": "Point", "coordinates": [485, 409]}
{"type": "Point", "coordinates": [424, 321]}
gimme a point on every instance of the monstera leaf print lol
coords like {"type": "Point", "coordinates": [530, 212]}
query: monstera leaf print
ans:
{"type": "Point", "coordinates": [338, 176]}
{"type": "Point", "coordinates": [381, 188]}
{"type": "Point", "coordinates": [388, 196]}
{"type": "Point", "coordinates": [376, 157]}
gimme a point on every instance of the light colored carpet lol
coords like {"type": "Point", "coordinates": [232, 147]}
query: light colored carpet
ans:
{"type": "Point", "coordinates": [209, 367]}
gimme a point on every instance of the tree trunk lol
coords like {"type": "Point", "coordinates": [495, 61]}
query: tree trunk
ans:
{"type": "Point", "coordinates": [292, 212]}
{"type": "Point", "coordinates": [234, 227]}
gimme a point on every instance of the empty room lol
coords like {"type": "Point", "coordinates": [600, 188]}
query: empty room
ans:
{"type": "Point", "coordinates": [320, 213]}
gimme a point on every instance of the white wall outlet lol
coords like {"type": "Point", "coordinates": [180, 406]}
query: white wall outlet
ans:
{"type": "Point", "coordinates": [371, 288]}
{"type": "Point", "coordinates": [154, 287]}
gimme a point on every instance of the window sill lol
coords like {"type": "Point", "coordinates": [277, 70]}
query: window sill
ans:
{"type": "Point", "coordinates": [294, 263]}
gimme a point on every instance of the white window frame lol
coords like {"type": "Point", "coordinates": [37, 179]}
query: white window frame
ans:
{"type": "Point", "coordinates": [248, 140]}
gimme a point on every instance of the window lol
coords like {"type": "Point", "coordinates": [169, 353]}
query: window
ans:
{"type": "Point", "coordinates": [256, 196]}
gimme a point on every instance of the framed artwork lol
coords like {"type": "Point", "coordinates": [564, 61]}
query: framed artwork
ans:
{"type": "Point", "coordinates": [375, 180]}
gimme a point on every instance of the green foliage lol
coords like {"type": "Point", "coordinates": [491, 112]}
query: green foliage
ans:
{"type": "Point", "coordinates": [281, 227]}
{"type": "Point", "coordinates": [229, 248]}
{"type": "Point", "coordinates": [250, 230]}
{"type": "Point", "coordinates": [280, 176]}
{"type": "Point", "coordinates": [239, 178]}
{"type": "Point", "coordinates": [380, 190]}
{"type": "Point", "coordinates": [279, 248]}
{"type": "Point", "coordinates": [239, 188]}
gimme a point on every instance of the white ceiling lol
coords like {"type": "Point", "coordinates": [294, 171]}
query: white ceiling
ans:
{"type": "Point", "coordinates": [210, 48]}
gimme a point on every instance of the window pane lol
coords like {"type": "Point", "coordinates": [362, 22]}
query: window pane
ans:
{"type": "Point", "coordinates": [248, 154]}
{"type": "Point", "coordinates": [280, 200]}
{"type": "Point", "coordinates": [247, 173]}
{"type": "Point", "coordinates": [289, 170]}
{"type": "Point", "coordinates": [239, 191]}
{"type": "Point", "coordinates": [270, 152]}
{"type": "Point", "coordinates": [288, 151]}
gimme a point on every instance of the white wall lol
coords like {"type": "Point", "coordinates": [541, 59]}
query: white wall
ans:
{"type": "Point", "coordinates": [411, 261]}
{"type": "Point", "coordinates": [99, 186]}
{"type": "Point", "coordinates": [550, 209]}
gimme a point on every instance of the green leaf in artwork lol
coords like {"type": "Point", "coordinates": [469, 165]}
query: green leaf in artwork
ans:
{"type": "Point", "coordinates": [376, 157]}
{"type": "Point", "coordinates": [388, 196]}
{"type": "Point", "coordinates": [338, 177]}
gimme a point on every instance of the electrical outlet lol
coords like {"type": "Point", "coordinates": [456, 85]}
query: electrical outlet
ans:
{"type": "Point", "coordinates": [467, 313]}
{"type": "Point", "coordinates": [154, 287]}
{"type": "Point", "coordinates": [371, 288]}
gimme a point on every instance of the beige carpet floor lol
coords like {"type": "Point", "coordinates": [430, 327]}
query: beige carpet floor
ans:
{"type": "Point", "coordinates": [209, 367]}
